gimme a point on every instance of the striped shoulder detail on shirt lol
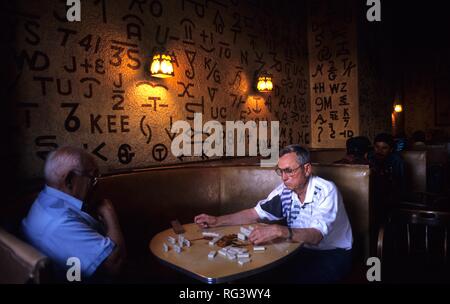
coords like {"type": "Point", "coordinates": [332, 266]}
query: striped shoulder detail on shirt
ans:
{"type": "Point", "coordinates": [286, 201]}
{"type": "Point", "coordinates": [273, 206]}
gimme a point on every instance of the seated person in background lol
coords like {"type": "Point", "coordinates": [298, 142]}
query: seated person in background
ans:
{"type": "Point", "coordinates": [400, 143]}
{"type": "Point", "coordinates": [357, 150]}
{"type": "Point", "coordinates": [389, 173]}
{"type": "Point", "coordinates": [315, 216]}
{"type": "Point", "coordinates": [57, 225]}
{"type": "Point", "coordinates": [387, 163]}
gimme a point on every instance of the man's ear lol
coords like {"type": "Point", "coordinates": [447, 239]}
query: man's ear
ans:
{"type": "Point", "coordinates": [69, 179]}
{"type": "Point", "coordinates": [308, 169]}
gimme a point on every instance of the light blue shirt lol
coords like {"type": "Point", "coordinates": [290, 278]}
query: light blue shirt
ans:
{"type": "Point", "coordinates": [58, 227]}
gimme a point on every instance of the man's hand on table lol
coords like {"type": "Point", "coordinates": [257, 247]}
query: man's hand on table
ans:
{"type": "Point", "coordinates": [259, 235]}
{"type": "Point", "coordinates": [264, 234]}
{"type": "Point", "coordinates": [205, 220]}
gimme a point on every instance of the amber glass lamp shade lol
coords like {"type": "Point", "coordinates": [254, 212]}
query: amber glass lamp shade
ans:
{"type": "Point", "coordinates": [265, 84]}
{"type": "Point", "coordinates": [162, 66]}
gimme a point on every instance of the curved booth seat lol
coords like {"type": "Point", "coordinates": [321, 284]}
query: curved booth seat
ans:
{"type": "Point", "coordinates": [20, 263]}
{"type": "Point", "coordinates": [148, 200]}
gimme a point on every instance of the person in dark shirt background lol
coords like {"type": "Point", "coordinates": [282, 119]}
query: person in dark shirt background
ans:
{"type": "Point", "coordinates": [357, 151]}
{"type": "Point", "coordinates": [389, 172]}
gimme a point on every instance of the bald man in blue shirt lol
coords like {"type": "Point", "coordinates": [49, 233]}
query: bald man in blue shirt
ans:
{"type": "Point", "coordinates": [59, 227]}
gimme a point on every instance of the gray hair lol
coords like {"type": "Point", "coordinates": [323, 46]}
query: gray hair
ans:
{"type": "Point", "coordinates": [303, 155]}
{"type": "Point", "coordinates": [63, 160]}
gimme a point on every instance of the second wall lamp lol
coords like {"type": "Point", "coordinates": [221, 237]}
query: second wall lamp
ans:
{"type": "Point", "coordinates": [162, 66]}
{"type": "Point", "coordinates": [265, 83]}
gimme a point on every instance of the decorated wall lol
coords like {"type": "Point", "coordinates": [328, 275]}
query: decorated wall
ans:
{"type": "Point", "coordinates": [333, 65]}
{"type": "Point", "coordinates": [88, 84]}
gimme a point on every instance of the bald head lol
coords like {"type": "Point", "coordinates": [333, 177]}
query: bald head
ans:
{"type": "Point", "coordinates": [64, 160]}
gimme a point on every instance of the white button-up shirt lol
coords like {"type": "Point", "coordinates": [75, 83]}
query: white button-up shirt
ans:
{"type": "Point", "coordinates": [323, 209]}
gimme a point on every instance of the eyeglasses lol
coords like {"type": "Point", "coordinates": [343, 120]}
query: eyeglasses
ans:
{"type": "Point", "coordinates": [93, 178]}
{"type": "Point", "coordinates": [288, 171]}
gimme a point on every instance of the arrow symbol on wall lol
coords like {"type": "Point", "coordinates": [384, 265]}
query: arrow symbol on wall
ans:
{"type": "Point", "coordinates": [97, 153]}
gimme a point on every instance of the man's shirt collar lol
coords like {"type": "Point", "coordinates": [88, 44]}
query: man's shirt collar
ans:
{"type": "Point", "coordinates": [309, 192]}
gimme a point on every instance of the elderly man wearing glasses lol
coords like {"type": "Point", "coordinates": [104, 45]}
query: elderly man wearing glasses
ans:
{"type": "Point", "coordinates": [60, 227]}
{"type": "Point", "coordinates": [313, 210]}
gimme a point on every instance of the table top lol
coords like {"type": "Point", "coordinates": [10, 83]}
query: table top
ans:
{"type": "Point", "coordinates": [194, 260]}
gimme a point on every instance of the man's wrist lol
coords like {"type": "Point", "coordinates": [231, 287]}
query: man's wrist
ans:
{"type": "Point", "coordinates": [289, 236]}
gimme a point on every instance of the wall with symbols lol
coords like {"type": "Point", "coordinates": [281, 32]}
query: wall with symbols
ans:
{"type": "Point", "coordinates": [88, 84]}
{"type": "Point", "coordinates": [333, 68]}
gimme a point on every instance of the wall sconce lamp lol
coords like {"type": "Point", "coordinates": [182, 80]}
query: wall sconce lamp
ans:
{"type": "Point", "coordinates": [265, 83]}
{"type": "Point", "coordinates": [398, 108]}
{"type": "Point", "coordinates": [162, 66]}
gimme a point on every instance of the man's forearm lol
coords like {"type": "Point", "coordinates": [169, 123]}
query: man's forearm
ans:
{"type": "Point", "coordinates": [247, 216]}
{"type": "Point", "coordinates": [303, 235]}
{"type": "Point", "coordinates": [114, 232]}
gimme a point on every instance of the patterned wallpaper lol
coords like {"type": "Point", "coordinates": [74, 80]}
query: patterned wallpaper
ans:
{"type": "Point", "coordinates": [88, 84]}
